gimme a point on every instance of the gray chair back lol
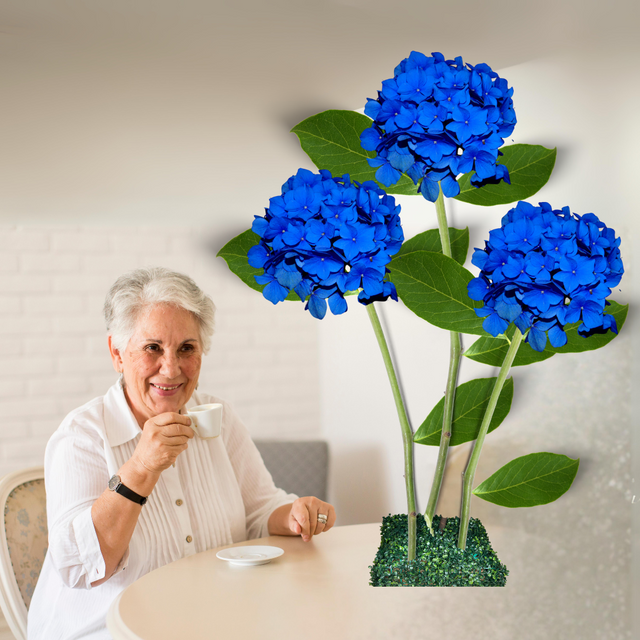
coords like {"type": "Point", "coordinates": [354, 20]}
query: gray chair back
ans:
{"type": "Point", "coordinates": [297, 466]}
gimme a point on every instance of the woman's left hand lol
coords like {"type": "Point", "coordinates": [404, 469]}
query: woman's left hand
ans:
{"type": "Point", "coordinates": [303, 517]}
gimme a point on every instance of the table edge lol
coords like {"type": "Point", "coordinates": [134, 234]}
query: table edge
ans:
{"type": "Point", "coordinates": [115, 624]}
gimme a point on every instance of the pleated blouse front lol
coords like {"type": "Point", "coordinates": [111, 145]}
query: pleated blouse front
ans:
{"type": "Point", "coordinates": [218, 493]}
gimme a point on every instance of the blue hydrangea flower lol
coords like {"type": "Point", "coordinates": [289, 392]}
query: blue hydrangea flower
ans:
{"type": "Point", "coordinates": [544, 269]}
{"type": "Point", "coordinates": [325, 236]}
{"type": "Point", "coordinates": [436, 119]}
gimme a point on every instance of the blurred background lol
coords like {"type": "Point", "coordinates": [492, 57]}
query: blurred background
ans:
{"type": "Point", "coordinates": [150, 133]}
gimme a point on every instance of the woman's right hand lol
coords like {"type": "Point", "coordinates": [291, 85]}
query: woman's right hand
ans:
{"type": "Point", "coordinates": [164, 438]}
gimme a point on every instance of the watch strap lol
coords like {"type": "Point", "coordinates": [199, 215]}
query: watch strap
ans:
{"type": "Point", "coordinates": [123, 490]}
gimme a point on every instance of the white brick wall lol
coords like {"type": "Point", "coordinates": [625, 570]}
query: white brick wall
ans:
{"type": "Point", "coordinates": [53, 350]}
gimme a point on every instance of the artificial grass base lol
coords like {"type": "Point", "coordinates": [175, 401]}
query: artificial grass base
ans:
{"type": "Point", "coordinates": [439, 562]}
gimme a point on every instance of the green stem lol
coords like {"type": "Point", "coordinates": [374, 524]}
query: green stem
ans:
{"type": "Point", "coordinates": [449, 398]}
{"type": "Point", "coordinates": [455, 352]}
{"type": "Point", "coordinates": [470, 471]}
{"type": "Point", "coordinates": [407, 433]}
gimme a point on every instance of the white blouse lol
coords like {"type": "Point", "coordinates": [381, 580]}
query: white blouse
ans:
{"type": "Point", "coordinates": [218, 493]}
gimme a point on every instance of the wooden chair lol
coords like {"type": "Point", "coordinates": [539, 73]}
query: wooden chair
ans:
{"type": "Point", "coordinates": [23, 543]}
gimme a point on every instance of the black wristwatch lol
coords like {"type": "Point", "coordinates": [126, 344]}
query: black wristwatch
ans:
{"type": "Point", "coordinates": [115, 484]}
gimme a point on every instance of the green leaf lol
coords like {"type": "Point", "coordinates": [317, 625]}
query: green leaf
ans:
{"type": "Point", "coordinates": [491, 351]}
{"type": "Point", "coordinates": [434, 287]}
{"type": "Point", "coordinates": [538, 478]}
{"type": "Point", "coordinates": [332, 140]}
{"type": "Point", "coordinates": [576, 343]}
{"type": "Point", "coordinates": [469, 408]}
{"type": "Point", "coordinates": [430, 241]}
{"type": "Point", "coordinates": [235, 255]}
{"type": "Point", "coordinates": [530, 166]}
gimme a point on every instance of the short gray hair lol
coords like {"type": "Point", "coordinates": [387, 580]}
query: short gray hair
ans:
{"type": "Point", "coordinates": [138, 290]}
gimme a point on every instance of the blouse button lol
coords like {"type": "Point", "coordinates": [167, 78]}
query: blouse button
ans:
{"type": "Point", "coordinates": [189, 538]}
{"type": "Point", "coordinates": [179, 502]}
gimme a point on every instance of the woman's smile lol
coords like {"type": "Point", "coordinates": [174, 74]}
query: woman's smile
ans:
{"type": "Point", "coordinates": [166, 389]}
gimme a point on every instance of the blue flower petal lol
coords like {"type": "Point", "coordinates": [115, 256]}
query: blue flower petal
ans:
{"type": "Point", "coordinates": [257, 256]}
{"type": "Point", "coordinates": [478, 288]}
{"type": "Point", "coordinates": [275, 292]}
{"type": "Point", "coordinates": [557, 337]}
{"type": "Point", "coordinates": [537, 339]}
{"type": "Point", "coordinates": [337, 304]}
{"type": "Point", "coordinates": [317, 306]}
{"type": "Point", "coordinates": [288, 279]}
{"type": "Point", "coordinates": [429, 189]}
{"type": "Point", "coordinates": [387, 175]}
{"type": "Point", "coordinates": [450, 187]}
{"type": "Point", "coordinates": [495, 325]}
{"type": "Point", "coordinates": [303, 290]}
{"type": "Point", "coordinates": [259, 225]}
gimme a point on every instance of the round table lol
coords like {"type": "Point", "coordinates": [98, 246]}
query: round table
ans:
{"type": "Point", "coordinates": [316, 590]}
{"type": "Point", "coordinates": [304, 593]}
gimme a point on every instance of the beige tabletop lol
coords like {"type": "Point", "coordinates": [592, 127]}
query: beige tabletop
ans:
{"type": "Point", "coordinates": [316, 590]}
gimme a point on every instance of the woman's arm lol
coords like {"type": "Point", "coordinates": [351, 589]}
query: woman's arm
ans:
{"type": "Point", "coordinates": [115, 517]}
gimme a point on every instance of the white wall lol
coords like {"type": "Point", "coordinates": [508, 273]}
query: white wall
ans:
{"type": "Point", "coordinates": [54, 355]}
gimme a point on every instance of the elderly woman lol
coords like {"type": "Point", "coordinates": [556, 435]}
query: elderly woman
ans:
{"type": "Point", "coordinates": [129, 488]}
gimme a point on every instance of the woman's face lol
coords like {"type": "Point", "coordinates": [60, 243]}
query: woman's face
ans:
{"type": "Point", "coordinates": [161, 363]}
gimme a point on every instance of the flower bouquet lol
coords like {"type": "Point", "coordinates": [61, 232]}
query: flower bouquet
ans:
{"type": "Point", "coordinates": [437, 129]}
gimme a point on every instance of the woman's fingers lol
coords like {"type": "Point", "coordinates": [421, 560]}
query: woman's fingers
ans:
{"type": "Point", "coordinates": [299, 519]}
{"type": "Point", "coordinates": [311, 516]}
{"type": "Point", "coordinates": [171, 428]}
{"type": "Point", "coordinates": [173, 424]}
{"type": "Point", "coordinates": [176, 433]}
{"type": "Point", "coordinates": [170, 417]}
{"type": "Point", "coordinates": [164, 438]}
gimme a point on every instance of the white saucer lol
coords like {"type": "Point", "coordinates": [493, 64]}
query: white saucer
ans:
{"type": "Point", "coordinates": [250, 556]}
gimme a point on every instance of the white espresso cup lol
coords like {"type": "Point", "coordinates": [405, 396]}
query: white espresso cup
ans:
{"type": "Point", "coordinates": [206, 419]}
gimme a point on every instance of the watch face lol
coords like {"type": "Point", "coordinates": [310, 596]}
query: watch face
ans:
{"type": "Point", "coordinates": [114, 481]}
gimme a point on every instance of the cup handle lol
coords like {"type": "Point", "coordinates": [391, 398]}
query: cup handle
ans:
{"type": "Point", "coordinates": [184, 412]}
